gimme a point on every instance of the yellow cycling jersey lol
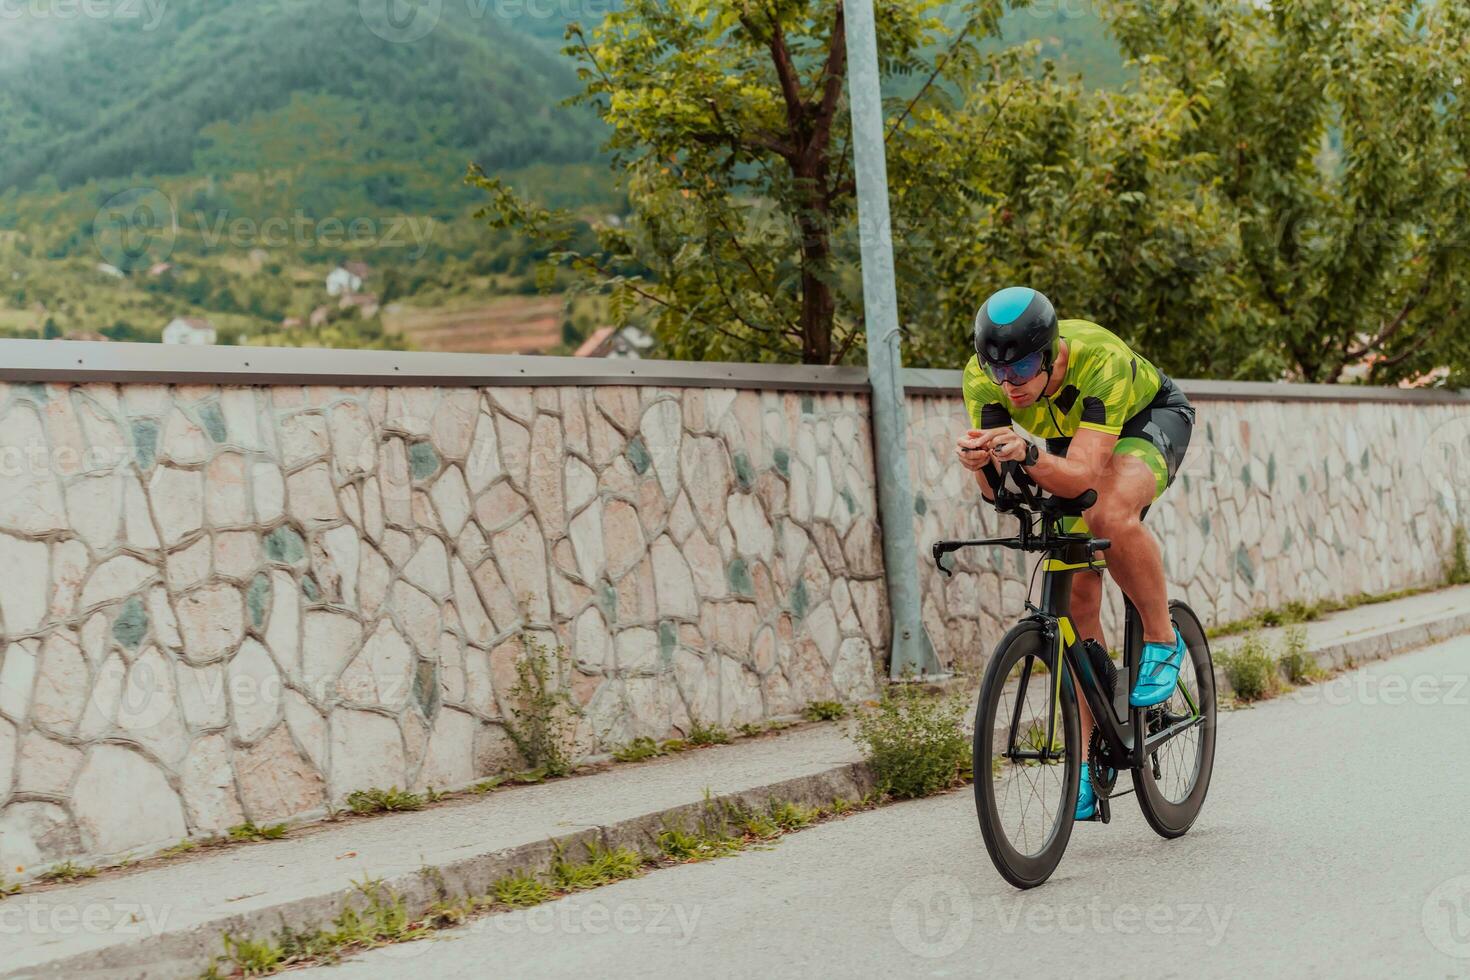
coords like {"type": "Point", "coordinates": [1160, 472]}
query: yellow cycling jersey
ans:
{"type": "Point", "coordinates": [1107, 383]}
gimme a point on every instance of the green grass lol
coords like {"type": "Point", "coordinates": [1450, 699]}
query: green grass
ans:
{"type": "Point", "coordinates": [6, 890]}
{"type": "Point", "coordinates": [382, 917]}
{"type": "Point", "coordinates": [1251, 669]}
{"type": "Point", "coordinates": [702, 734]}
{"type": "Point", "coordinates": [1296, 660]}
{"type": "Point", "coordinates": [602, 867]}
{"type": "Point", "coordinates": [824, 711]}
{"type": "Point", "coordinates": [391, 800]}
{"type": "Point", "coordinates": [1296, 611]}
{"type": "Point", "coordinates": [68, 871]}
{"type": "Point", "coordinates": [913, 741]}
{"type": "Point", "coordinates": [640, 749]}
{"type": "Point", "coordinates": [521, 890]}
{"type": "Point", "coordinates": [246, 831]}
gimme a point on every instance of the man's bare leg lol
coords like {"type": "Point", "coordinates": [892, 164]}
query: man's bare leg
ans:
{"type": "Point", "coordinates": [1135, 561]}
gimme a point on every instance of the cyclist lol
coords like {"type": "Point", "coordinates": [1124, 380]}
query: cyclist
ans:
{"type": "Point", "coordinates": [1113, 423]}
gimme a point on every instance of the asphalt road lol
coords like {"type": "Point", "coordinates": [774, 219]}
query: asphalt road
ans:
{"type": "Point", "coordinates": [1335, 842]}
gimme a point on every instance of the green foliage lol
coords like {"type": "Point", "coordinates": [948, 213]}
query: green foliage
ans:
{"type": "Point", "coordinates": [913, 741]}
{"type": "Point", "coordinates": [1251, 669]}
{"type": "Point", "coordinates": [680, 844]}
{"type": "Point", "coordinates": [824, 711]}
{"type": "Point", "coordinates": [638, 750]}
{"type": "Point", "coordinates": [602, 867]}
{"type": "Point", "coordinates": [545, 716]}
{"type": "Point", "coordinates": [6, 890]}
{"type": "Point", "coordinates": [791, 816]}
{"type": "Point", "coordinates": [1457, 569]}
{"type": "Point", "coordinates": [1298, 662]}
{"type": "Point", "coordinates": [68, 871]}
{"type": "Point", "coordinates": [521, 890]}
{"type": "Point", "coordinates": [702, 734]}
{"type": "Point", "coordinates": [1349, 247]}
{"type": "Point", "coordinates": [248, 831]}
{"type": "Point", "coordinates": [391, 800]}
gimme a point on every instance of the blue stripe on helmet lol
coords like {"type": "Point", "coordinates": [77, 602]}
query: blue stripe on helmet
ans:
{"type": "Point", "coordinates": [1009, 303]}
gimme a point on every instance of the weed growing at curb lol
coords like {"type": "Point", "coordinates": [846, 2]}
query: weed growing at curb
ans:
{"type": "Point", "coordinates": [638, 750]}
{"type": "Point", "coordinates": [1298, 662]}
{"type": "Point", "coordinates": [520, 890]}
{"type": "Point", "coordinates": [914, 742]}
{"type": "Point", "coordinates": [7, 890]}
{"type": "Point", "coordinates": [1296, 611]}
{"type": "Point", "coordinates": [247, 831]}
{"type": "Point", "coordinates": [1251, 669]}
{"type": "Point", "coordinates": [391, 800]}
{"type": "Point", "coordinates": [702, 734]}
{"type": "Point", "coordinates": [68, 871]}
{"type": "Point", "coordinates": [824, 711]}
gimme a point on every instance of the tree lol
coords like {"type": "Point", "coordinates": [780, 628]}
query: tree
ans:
{"type": "Point", "coordinates": [729, 124]}
{"type": "Point", "coordinates": [1336, 135]}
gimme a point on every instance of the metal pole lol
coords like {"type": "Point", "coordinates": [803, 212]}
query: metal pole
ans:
{"type": "Point", "coordinates": [912, 652]}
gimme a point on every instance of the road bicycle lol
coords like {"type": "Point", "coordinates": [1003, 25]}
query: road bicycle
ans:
{"type": "Point", "coordinates": [1027, 747]}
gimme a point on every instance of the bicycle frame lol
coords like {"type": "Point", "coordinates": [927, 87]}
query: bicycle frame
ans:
{"type": "Point", "coordinates": [1064, 555]}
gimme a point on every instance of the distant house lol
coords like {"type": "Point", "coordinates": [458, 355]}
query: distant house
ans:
{"type": "Point", "coordinates": [342, 280]}
{"type": "Point", "coordinates": [612, 342]}
{"type": "Point", "coordinates": [319, 316]}
{"type": "Point", "coordinates": [361, 270]}
{"type": "Point", "coordinates": [291, 323]}
{"type": "Point", "coordinates": [160, 269]}
{"type": "Point", "coordinates": [111, 270]}
{"type": "Point", "coordinates": [189, 330]}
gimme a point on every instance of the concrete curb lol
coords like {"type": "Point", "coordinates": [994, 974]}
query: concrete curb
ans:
{"type": "Point", "coordinates": [189, 952]}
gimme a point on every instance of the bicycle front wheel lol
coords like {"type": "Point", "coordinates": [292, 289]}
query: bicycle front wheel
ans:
{"type": "Point", "coordinates": [1027, 757]}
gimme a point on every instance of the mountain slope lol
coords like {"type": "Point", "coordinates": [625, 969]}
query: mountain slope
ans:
{"type": "Point", "coordinates": [101, 99]}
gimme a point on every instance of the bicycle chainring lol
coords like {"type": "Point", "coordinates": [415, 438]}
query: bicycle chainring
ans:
{"type": "Point", "coordinates": [1097, 751]}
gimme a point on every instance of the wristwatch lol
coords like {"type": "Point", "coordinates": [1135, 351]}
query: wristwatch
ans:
{"type": "Point", "coordinates": [1032, 455]}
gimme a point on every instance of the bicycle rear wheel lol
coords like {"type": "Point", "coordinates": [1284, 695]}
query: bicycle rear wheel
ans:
{"type": "Point", "coordinates": [1173, 781]}
{"type": "Point", "coordinates": [1025, 784]}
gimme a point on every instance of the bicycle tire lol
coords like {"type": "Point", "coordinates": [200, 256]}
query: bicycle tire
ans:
{"type": "Point", "coordinates": [1023, 870]}
{"type": "Point", "coordinates": [1169, 818]}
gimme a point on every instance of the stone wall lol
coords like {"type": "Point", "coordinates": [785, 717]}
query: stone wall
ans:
{"type": "Point", "coordinates": [228, 602]}
{"type": "Point", "coordinates": [232, 603]}
{"type": "Point", "coordinates": [1276, 501]}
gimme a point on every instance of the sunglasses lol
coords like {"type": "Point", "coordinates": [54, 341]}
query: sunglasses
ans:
{"type": "Point", "coordinates": [1017, 372]}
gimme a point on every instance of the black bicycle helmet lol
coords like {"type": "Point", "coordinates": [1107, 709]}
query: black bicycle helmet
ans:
{"type": "Point", "coordinates": [1016, 322]}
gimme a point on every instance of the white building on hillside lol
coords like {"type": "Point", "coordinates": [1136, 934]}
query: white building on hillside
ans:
{"type": "Point", "coordinates": [189, 330]}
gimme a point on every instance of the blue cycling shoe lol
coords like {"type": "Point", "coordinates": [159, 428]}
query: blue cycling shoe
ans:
{"type": "Point", "coordinates": [1086, 795]}
{"type": "Point", "coordinates": [1158, 672]}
